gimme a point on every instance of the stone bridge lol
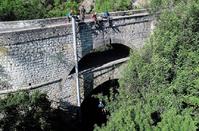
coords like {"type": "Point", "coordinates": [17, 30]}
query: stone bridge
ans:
{"type": "Point", "coordinates": [38, 54]}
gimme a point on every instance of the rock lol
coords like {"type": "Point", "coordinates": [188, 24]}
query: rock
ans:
{"type": "Point", "coordinates": [140, 3]}
{"type": "Point", "coordinates": [88, 4]}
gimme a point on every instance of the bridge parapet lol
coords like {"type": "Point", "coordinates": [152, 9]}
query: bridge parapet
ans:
{"type": "Point", "coordinates": [59, 30]}
{"type": "Point", "coordinates": [39, 23]}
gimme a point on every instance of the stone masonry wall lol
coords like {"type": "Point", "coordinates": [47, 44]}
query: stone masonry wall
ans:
{"type": "Point", "coordinates": [42, 58]}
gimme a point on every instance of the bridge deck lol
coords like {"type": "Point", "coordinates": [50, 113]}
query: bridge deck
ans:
{"type": "Point", "coordinates": [17, 26]}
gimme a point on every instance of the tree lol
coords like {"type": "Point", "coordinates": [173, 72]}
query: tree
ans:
{"type": "Point", "coordinates": [22, 111]}
{"type": "Point", "coordinates": [20, 9]}
{"type": "Point", "coordinates": [35, 9]}
{"type": "Point", "coordinates": [159, 89]}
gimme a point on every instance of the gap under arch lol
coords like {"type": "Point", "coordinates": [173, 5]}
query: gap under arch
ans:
{"type": "Point", "coordinates": [102, 55]}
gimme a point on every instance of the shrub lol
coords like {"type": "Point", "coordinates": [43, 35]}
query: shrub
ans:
{"type": "Point", "coordinates": [35, 9]}
{"type": "Point", "coordinates": [111, 5]}
{"type": "Point", "coordinates": [159, 88]}
{"type": "Point", "coordinates": [22, 111]}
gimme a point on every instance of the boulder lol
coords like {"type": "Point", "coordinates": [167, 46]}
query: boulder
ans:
{"type": "Point", "coordinates": [88, 5]}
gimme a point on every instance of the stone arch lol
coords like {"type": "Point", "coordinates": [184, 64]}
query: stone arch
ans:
{"type": "Point", "coordinates": [102, 81]}
{"type": "Point", "coordinates": [104, 42]}
{"type": "Point", "coordinates": [116, 50]}
{"type": "Point", "coordinates": [112, 40]}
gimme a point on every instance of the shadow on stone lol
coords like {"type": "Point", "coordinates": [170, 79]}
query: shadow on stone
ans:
{"type": "Point", "coordinates": [4, 85]}
{"type": "Point", "coordinates": [86, 38]}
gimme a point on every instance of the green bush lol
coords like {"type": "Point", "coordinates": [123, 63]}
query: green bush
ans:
{"type": "Point", "coordinates": [111, 5]}
{"type": "Point", "coordinates": [22, 111]}
{"type": "Point", "coordinates": [61, 9]}
{"type": "Point", "coordinates": [20, 9]}
{"type": "Point", "coordinates": [35, 9]}
{"type": "Point", "coordinates": [159, 88]}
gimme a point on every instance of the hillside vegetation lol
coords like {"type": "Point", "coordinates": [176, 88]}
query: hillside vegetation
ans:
{"type": "Point", "coordinates": [112, 5]}
{"type": "Point", "coordinates": [37, 9]}
{"type": "Point", "coordinates": [23, 111]}
{"type": "Point", "coordinates": [34, 9]}
{"type": "Point", "coordinates": [160, 88]}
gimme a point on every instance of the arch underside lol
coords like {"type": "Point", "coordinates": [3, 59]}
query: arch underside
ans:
{"type": "Point", "coordinates": [101, 56]}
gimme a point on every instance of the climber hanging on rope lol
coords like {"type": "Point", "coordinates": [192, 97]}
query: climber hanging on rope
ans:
{"type": "Point", "coordinates": [101, 107]}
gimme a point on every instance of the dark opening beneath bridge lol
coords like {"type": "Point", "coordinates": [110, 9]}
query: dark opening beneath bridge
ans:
{"type": "Point", "coordinates": [91, 113]}
{"type": "Point", "coordinates": [102, 55]}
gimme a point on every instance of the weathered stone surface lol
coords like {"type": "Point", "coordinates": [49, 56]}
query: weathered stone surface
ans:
{"type": "Point", "coordinates": [42, 57]}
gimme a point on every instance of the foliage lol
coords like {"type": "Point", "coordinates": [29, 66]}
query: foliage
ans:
{"type": "Point", "coordinates": [63, 9]}
{"type": "Point", "coordinates": [22, 111]}
{"type": "Point", "coordinates": [20, 9]}
{"type": "Point", "coordinates": [32, 112]}
{"type": "Point", "coordinates": [157, 5]}
{"type": "Point", "coordinates": [34, 9]}
{"type": "Point", "coordinates": [159, 88]}
{"type": "Point", "coordinates": [72, 5]}
{"type": "Point", "coordinates": [37, 9]}
{"type": "Point", "coordinates": [111, 5]}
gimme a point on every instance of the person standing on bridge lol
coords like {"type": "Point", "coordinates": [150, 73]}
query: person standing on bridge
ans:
{"type": "Point", "coordinates": [94, 18]}
{"type": "Point", "coordinates": [82, 13]}
{"type": "Point", "coordinates": [69, 15]}
{"type": "Point", "coordinates": [106, 16]}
